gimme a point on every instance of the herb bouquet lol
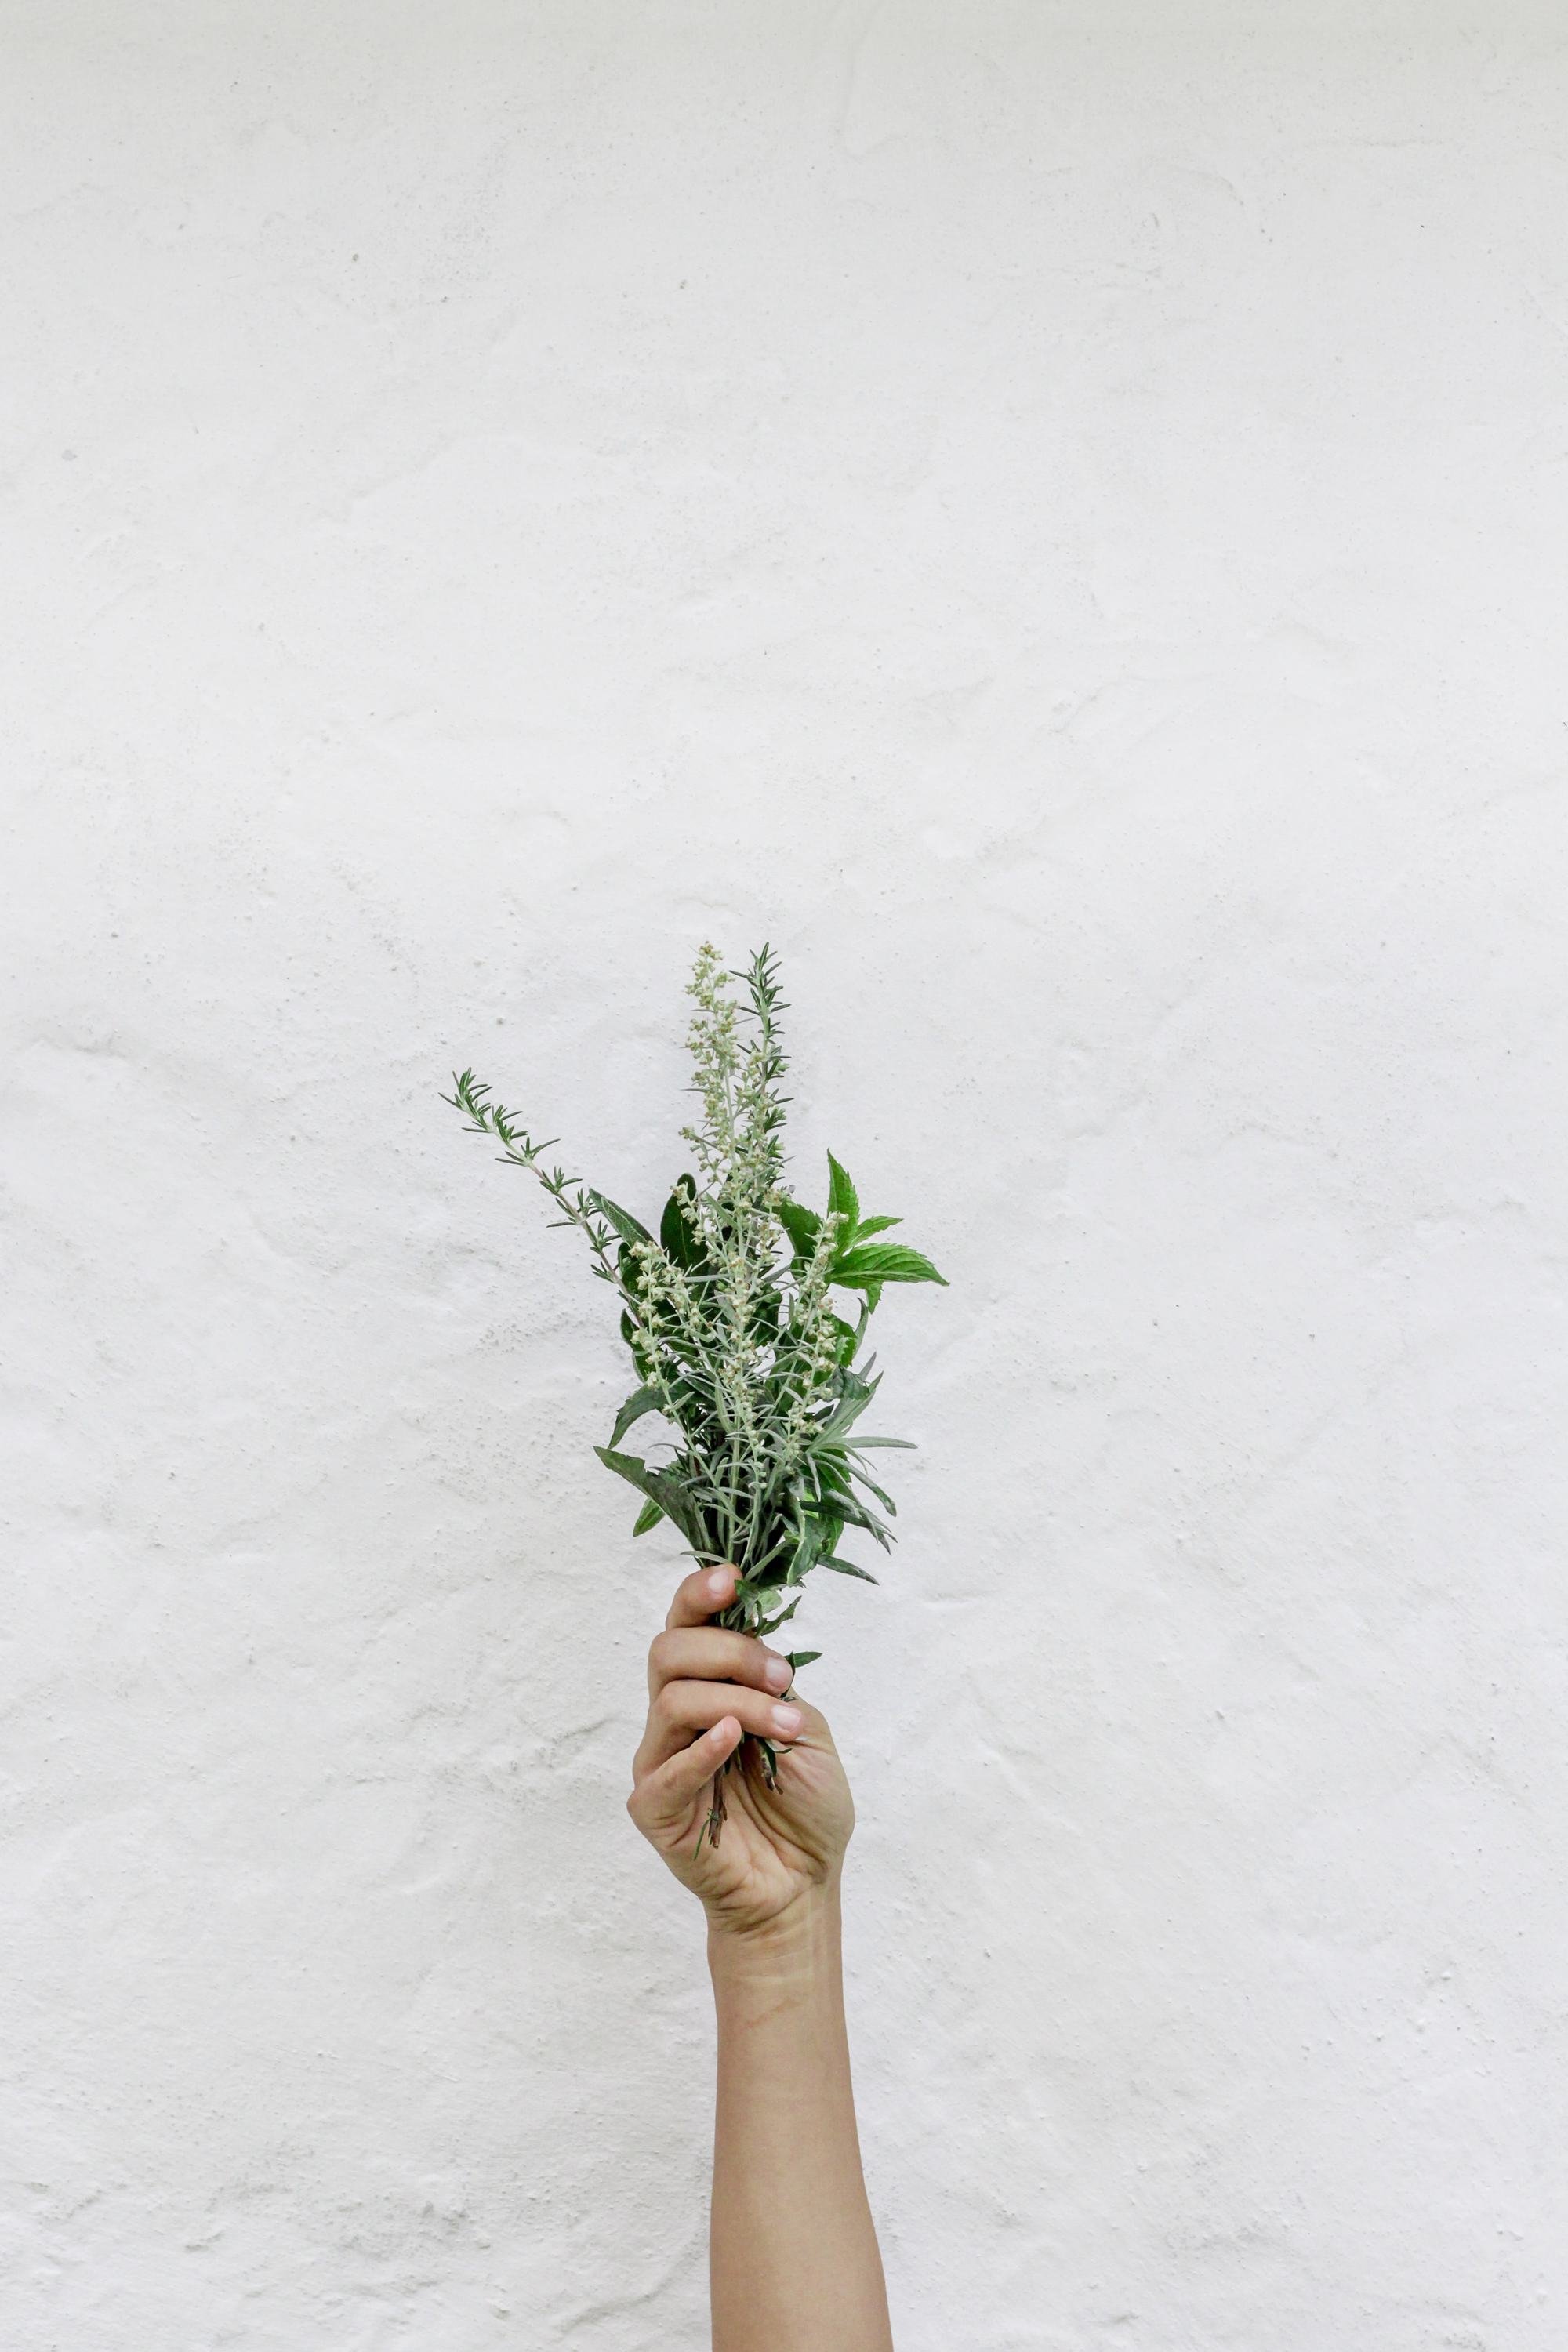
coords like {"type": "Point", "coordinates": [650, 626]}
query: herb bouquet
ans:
{"type": "Point", "coordinates": [731, 1317]}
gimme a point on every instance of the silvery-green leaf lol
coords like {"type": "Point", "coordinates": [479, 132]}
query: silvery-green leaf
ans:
{"type": "Point", "coordinates": [641, 1401]}
{"type": "Point", "coordinates": [625, 1224]}
{"type": "Point", "coordinates": [806, 1551]}
{"type": "Point", "coordinates": [849, 1567]}
{"type": "Point", "coordinates": [854, 1513]}
{"type": "Point", "coordinates": [659, 1487]}
{"type": "Point", "coordinates": [854, 1395]}
{"type": "Point", "coordinates": [886, 1500]}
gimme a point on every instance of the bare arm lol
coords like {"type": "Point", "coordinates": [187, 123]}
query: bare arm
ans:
{"type": "Point", "coordinates": [794, 2262]}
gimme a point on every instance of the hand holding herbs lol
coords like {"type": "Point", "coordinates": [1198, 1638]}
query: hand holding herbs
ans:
{"type": "Point", "coordinates": [732, 1321]}
{"type": "Point", "coordinates": [784, 1836]}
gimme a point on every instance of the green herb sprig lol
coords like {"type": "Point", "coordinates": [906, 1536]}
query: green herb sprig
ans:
{"type": "Point", "coordinates": [728, 1312]}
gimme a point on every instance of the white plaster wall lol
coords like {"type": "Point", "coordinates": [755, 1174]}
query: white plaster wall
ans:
{"type": "Point", "coordinates": [1056, 517]}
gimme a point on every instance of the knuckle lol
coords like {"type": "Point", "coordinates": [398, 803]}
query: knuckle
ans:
{"type": "Point", "coordinates": [664, 1712]}
{"type": "Point", "coordinates": [659, 1652]}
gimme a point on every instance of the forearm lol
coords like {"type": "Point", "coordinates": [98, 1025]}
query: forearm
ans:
{"type": "Point", "coordinates": [795, 2266]}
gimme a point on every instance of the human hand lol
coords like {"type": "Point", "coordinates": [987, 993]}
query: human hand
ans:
{"type": "Point", "coordinates": [778, 1847]}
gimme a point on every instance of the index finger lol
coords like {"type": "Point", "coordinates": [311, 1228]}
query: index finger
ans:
{"type": "Point", "coordinates": [699, 1596]}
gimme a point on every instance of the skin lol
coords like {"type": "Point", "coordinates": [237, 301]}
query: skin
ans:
{"type": "Point", "coordinates": [792, 2252]}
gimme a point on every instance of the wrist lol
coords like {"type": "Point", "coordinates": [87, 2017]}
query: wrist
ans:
{"type": "Point", "coordinates": [799, 1943]}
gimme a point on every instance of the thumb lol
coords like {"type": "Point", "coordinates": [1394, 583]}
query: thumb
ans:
{"type": "Point", "coordinates": [662, 1803]}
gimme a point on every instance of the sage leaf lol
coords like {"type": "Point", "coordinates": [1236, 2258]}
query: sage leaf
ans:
{"type": "Point", "coordinates": [625, 1224]}
{"type": "Point", "coordinates": [660, 1489]}
{"type": "Point", "coordinates": [641, 1401]}
{"type": "Point", "coordinates": [849, 1567]}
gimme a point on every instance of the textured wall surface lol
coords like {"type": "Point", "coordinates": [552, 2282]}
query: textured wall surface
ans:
{"type": "Point", "coordinates": [1057, 518]}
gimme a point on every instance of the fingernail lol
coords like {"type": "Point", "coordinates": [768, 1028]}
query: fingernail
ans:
{"type": "Point", "coordinates": [778, 1674]}
{"type": "Point", "coordinates": [787, 1721]}
{"type": "Point", "coordinates": [719, 1583]}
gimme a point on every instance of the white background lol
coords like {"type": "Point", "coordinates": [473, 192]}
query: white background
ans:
{"type": "Point", "coordinates": [1056, 517]}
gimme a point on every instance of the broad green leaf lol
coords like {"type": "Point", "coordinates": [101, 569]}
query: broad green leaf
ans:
{"type": "Point", "coordinates": [625, 1224]}
{"type": "Point", "coordinates": [641, 1401]}
{"type": "Point", "coordinates": [884, 1262]}
{"type": "Point", "coordinates": [648, 1517]}
{"type": "Point", "coordinates": [847, 1567]}
{"type": "Point", "coordinates": [799, 1658]}
{"type": "Point", "coordinates": [802, 1225]}
{"type": "Point", "coordinates": [638, 1352]}
{"type": "Point", "coordinates": [842, 1197]}
{"type": "Point", "coordinates": [676, 1232]}
{"type": "Point", "coordinates": [870, 1225]}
